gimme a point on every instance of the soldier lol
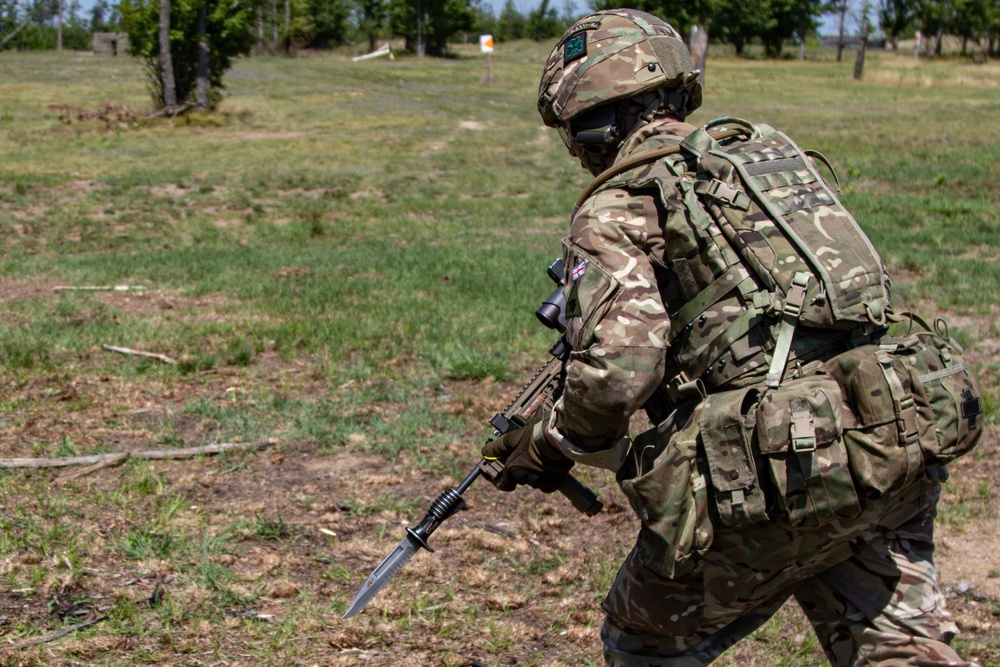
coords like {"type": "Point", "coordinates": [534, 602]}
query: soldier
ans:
{"type": "Point", "coordinates": [714, 280]}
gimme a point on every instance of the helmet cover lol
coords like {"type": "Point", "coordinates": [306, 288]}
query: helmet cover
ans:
{"type": "Point", "coordinates": [613, 55]}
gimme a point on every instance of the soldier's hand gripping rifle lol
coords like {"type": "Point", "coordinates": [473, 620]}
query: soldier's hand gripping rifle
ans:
{"type": "Point", "coordinates": [539, 394]}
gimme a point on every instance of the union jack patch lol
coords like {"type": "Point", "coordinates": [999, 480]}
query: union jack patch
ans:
{"type": "Point", "coordinates": [578, 272]}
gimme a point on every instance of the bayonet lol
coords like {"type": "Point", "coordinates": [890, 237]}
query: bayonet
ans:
{"type": "Point", "coordinates": [444, 506]}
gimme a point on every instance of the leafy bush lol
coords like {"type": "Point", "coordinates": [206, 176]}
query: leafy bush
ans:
{"type": "Point", "coordinates": [228, 34]}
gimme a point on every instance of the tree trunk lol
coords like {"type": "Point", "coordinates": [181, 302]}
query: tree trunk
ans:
{"type": "Point", "coordinates": [859, 62]}
{"type": "Point", "coordinates": [288, 27]}
{"type": "Point", "coordinates": [260, 29]}
{"type": "Point", "coordinates": [699, 50]}
{"type": "Point", "coordinates": [421, 44]}
{"type": "Point", "coordinates": [166, 62]}
{"type": "Point", "coordinates": [204, 85]}
{"type": "Point", "coordinates": [274, 25]}
{"type": "Point", "coordinates": [59, 28]}
{"type": "Point", "coordinates": [840, 34]}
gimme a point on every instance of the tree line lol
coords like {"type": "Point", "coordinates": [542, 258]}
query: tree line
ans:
{"type": "Point", "coordinates": [187, 45]}
{"type": "Point", "coordinates": [428, 26]}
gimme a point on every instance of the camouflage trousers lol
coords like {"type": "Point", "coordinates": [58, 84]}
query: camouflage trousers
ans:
{"type": "Point", "coordinates": [868, 587]}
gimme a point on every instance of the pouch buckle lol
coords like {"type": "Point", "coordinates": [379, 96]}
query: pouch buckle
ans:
{"type": "Point", "coordinates": [803, 432]}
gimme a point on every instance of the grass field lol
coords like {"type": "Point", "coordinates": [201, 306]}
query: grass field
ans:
{"type": "Point", "coordinates": [345, 261]}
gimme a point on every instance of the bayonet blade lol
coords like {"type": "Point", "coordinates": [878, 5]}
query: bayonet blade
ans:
{"type": "Point", "coordinates": [381, 575]}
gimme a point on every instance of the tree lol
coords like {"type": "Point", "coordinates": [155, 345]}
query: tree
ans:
{"type": "Point", "coordinates": [227, 34]}
{"type": "Point", "coordinates": [896, 17]}
{"type": "Point", "coordinates": [971, 21]}
{"type": "Point", "coordinates": [840, 7]}
{"type": "Point", "coordinates": [511, 24]}
{"type": "Point", "coordinates": [322, 23]}
{"type": "Point", "coordinates": [935, 17]}
{"type": "Point", "coordinates": [544, 23]}
{"type": "Point", "coordinates": [168, 86]}
{"type": "Point", "coordinates": [788, 19]}
{"type": "Point", "coordinates": [372, 16]}
{"type": "Point", "coordinates": [739, 22]}
{"type": "Point", "coordinates": [103, 17]}
{"type": "Point", "coordinates": [865, 22]}
{"type": "Point", "coordinates": [427, 25]}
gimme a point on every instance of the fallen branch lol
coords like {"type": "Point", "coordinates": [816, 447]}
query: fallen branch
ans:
{"type": "Point", "coordinates": [173, 112]}
{"type": "Point", "coordinates": [114, 460]}
{"type": "Point", "coordinates": [158, 454]}
{"type": "Point", "coordinates": [54, 636]}
{"type": "Point", "coordinates": [497, 530]}
{"type": "Point", "coordinates": [139, 353]}
{"type": "Point", "coordinates": [98, 288]}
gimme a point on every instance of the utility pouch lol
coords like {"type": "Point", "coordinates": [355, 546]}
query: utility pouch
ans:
{"type": "Point", "coordinates": [936, 398]}
{"type": "Point", "coordinates": [665, 484]}
{"type": "Point", "coordinates": [882, 440]}
{"type": "Point", "coordinates": [800, 436]}
{"type": "Point", "coordinates": [727, 425]}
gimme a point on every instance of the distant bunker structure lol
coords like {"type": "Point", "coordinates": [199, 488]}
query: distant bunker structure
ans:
{"type": "Point", "coordinates": [110, 43]}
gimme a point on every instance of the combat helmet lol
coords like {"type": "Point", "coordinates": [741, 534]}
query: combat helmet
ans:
{"type": "Point", "coordinates": [613, 55]}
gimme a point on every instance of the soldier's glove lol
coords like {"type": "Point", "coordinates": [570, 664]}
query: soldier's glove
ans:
{"type": "Point", "coordinates": [528, 460]}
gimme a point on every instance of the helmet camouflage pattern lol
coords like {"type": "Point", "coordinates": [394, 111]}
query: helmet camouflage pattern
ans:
{"type": "Point", "coordinates": [612, 55]}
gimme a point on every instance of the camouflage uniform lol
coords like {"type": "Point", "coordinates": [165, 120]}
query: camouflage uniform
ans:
{"type": "Point", "coordinates": [866, 582]}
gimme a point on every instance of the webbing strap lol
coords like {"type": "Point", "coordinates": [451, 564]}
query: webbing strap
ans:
{"type": "Point", "coordinates": [907, 424]}
{"type": "Point", "coordinates": [720, 287]}
{"type": "Point", "coordinates": [902, 400]}
{"type": "Point", "coordinates": [789, 318]}
{"type": "Point", "coordinates": [699, 218]}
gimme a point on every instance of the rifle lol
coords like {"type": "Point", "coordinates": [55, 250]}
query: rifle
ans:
{"type": "Point", "coordinates": [540, 393]}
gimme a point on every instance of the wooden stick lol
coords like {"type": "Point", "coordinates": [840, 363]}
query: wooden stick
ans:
{"type": "Point", "coordinates": [117, 459]}
{"type": "Point", "coordinates": [98, 288]}
{"type": "Point", "coordinates": [139, 353]}
{"type": "Point", "coordinates": [152, 454]}
{"type": "Point", "coordinates": [54, 636]}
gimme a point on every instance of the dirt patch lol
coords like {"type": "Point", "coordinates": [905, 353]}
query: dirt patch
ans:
{"type": "Point", "coordinates": [17, 289]}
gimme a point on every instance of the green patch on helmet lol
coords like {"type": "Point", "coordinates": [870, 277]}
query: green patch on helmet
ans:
{"type": "Point", "coordinates": [574, 48]}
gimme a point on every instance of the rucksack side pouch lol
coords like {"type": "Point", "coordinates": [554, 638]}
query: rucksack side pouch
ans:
{"type": "Point", "coordinates": [883, 448]}
{"type": "Point", "coordinates": [666, 487]}
{"type": "Point", "coordinates": [801, 438]}
{"type": "Point", "coordinates": [936, 398]}
{"type": "Point", "coordinates": [727, 425]}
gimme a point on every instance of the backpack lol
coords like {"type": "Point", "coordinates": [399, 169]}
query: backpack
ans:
{"type": "Point", "coordinates": [795, 253]}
